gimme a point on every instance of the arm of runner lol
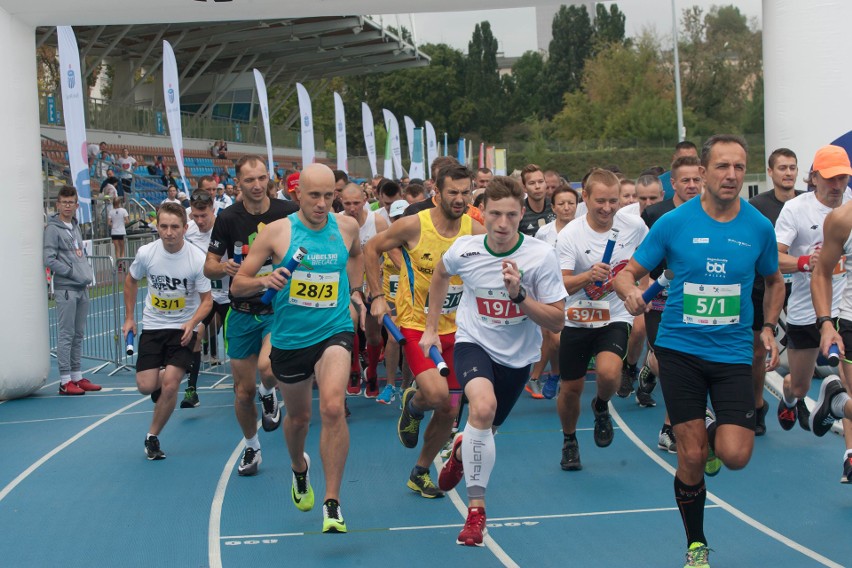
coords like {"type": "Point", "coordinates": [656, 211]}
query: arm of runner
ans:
{"type": "Point", "coordinates": [773, 301]}
{"type": "Point", "coordinates": [835, 233]}
{"type": "Point", "coordinates": [574, 282]}
{"type": "Point", "coordinates": [788, 264]}
{"type": "Point", "coordinates": [625, 286]}
{"type": "Point", "coordinates": [131, 288]}
{"type": "Point", "coordinates": [549, 316]}
{"type": "Point", "coordinates": [215, 268]}
{"type": "Point", "coordinates": [399, 234]}
{"type": "Point", "coordinates": [204, 308]}
{"type": "Point", "coordinates": [437, 293]}
{"type": "Point", "coordinates": [245, 282]}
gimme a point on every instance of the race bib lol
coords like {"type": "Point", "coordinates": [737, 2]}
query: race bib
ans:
{"type": "Point", "coordinates": [840, 267]}
{"type": "Point", "coordinates": [451, 302]}
{"type": "Point", "coordinates": [393, 285]}
{"type": "Point", "coordinates": [167, 304]}
{"type": "Point", "coordinates": [314, 289]}
{"type": "Point", "coordinates": [711, 304]}
{"type": "Point", "coordinates": [493, 306]}
{"type": "Point", "coordinates": [215, 284]}
{"type": "Point", "coordinates": [588, 313]}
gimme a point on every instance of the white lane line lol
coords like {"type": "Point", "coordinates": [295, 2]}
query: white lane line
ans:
{"type": "Point", "coordinates": [41, 461]}
{"type": "Point", "coordinates": [489, 542]}
{"type": "Point", "coordinates": [721, 502]}
{"type": "Point", "coordinates": [85, 416]}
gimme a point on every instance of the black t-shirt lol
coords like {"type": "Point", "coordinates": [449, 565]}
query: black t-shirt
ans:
{"type": "Point", "coordinates": [650, 215]}
{"type": "Point", "coordinates": [770, 207]}
{"type": "Point", "coordinates": [531, 222]}
{"type": "Point", "coordinates": [416, 208]}
{"type": "Point", "coordinates": [236, 224]}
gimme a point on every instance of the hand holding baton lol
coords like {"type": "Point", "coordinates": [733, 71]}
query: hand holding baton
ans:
{"type": "Point", "coordinates": [657, 286]}
{"type": "Point", "coordinates": [610, 246]}
{"type": "Point", "coordinates": [833, 355]}
{"type": "Point", "coordinates": [393, 330]}
{"type": "Point", "coordinates": [435, 355]}
{"type": "Point", "coordinates": [291, 266]}
{"type": "Point", "coordinates": [129, 338]}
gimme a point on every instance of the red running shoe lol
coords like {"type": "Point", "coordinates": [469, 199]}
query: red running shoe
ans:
{"type": "Point", "coordinates": [474, 528]}
{"type": "Point", "coordinates": [87, 385]}
{"type": "Point", "coordinates": [70, 388]}
{"type": "Point", "coordinates": [353, 387]}
{"type": "Point", "coordinates": [453, 469]}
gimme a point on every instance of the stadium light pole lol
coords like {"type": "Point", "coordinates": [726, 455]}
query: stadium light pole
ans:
{"type": "Point", "coordinates": [681, 131]}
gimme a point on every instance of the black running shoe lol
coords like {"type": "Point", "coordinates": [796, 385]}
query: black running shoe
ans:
{"type": "Point", "coordinates": [155, 396]}
{"type": "Point", "coordinates": [786, 416]}
{"type": "Point", "coordinates": [152, 449]}
{"type": "Point", "coordinates": [603, 426]}
{"type": "Point", "coordinates": [804, 415]}
{"type": "Point", "coordinates": [271, 418]}
{"type": "Point", "coordinates": [847, 470]}
{"type": "Point", "coordinates": [822, 419]}
{"type": "Point", "coordinates": [627, 377]}
{"type": "Point", "coordinates": [190, 399]}
{"type": "Point", "coordinates": [760, 419]}
{"type": "Point", "coordinates": [408, 427]}
{"type": "Point", "coordinates": [250, 462]}
{"type": "Point", "coordinates": [571, 455]}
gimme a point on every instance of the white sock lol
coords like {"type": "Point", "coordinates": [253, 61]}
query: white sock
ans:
{"type": "Point", "coordinates": [478, 457]}
{"type": "Point", "coordinates": [838, 404]}
{"type": "Point", "coordinates": [64, 379]}
{"type": "Point", "coordinates": [787, 403]}
{"type": "Point", "coordinates": [847, 454]}
{"type": "Point", "coordinates": [253, 443]}
{"type": "Point", "coordinates": [265, 391]}
{"type": "Point", "coordinates": [76, 375]}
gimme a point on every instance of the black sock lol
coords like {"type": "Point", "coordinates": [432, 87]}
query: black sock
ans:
{"type": "Point", "coordinates": [193, 369]}
{"type": "Point", "coordinates": [569, 437]}
{"type": "Point", "coordinates": [418, 470]}
{"type": "Point", "coordinates": [631, 368]}
{"type": "Point", "coordinates": [214, 347]}
{"type": "Point", "coordinates": [690, 500]}
{"type": "Point", "coordinates": [601, 405]}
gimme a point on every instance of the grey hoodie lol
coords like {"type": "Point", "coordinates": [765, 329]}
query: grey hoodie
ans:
{"type": "Point", "coordinates": [65, 256]}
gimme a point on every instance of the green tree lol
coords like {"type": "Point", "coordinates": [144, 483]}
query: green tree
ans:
{"type": "Point", "coordinates": [525, 86]}
{"type": "Point", "coordinates": [609, 25]}
{"type": "Point", "coordinates": [483, 86]}
{"type": "Point", "coordinates": [573, 36]}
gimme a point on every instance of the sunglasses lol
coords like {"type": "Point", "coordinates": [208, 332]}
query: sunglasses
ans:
{"type": "Point", "coordinates": [201, 196]}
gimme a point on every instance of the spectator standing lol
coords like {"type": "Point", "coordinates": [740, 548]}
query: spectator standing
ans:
{"type": "Point", "coordinates": [126, 162]}
{"type": "Point", "coordinates": [118, 218]}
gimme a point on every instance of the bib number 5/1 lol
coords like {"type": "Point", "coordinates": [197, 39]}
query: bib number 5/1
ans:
{"type": "Point", "coordinates": [705, 304]}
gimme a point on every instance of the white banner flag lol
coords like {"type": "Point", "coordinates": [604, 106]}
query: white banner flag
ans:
{"type": "Point", "coordinates": [263, 100]}
{"type": "Point", "coordinates": [395, 145]}
{"type": "Point", "coordinates": [388, 166]}
{"type": "Point", "coordinates": [171, 94]}
{"type": "Point", "coordinates": [307, 125]}
{"type": "Point", "coordinates": [340, 130]}
{"type": "Point", "coordinates": [409, 135]}
{"type": "Point", "coordinates": [75, 124]}
{"type": "Point", "coordinates": [369, 136]}
{"type": "Point", "coordinates": [431, 147]}
{"type": "Point", "coordinates": [416, 169]}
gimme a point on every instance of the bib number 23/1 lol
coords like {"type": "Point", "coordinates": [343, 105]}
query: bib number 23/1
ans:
{"type": "Point", "coordinates": [710, 304]}
{"type": "Point", "coordinates": [314, 289]}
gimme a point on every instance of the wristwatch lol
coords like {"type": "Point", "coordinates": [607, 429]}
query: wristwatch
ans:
{"type": "Point", "coordinates": [821, 320]}
{"type": "Point", "coordinates": [773, 327]}
{"type": "Point", "coordinates": [522, 295]}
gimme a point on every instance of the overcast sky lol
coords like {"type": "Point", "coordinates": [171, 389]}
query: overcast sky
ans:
{"type": "Point", "coordinates": [515, 28]}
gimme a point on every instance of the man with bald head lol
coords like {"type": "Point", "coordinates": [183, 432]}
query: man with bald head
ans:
{"type": "Point", "coordinates": [312, 331]}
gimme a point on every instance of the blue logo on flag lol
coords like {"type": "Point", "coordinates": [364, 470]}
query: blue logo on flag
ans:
{"type": "Point", "coordinates": [307, 120]}
{"type": "Point", "coordinates": [71, 79]}
{"type": "Point", "coordinates": [340, 127]}
{"type": "Point", "coordinates": [171, 96]}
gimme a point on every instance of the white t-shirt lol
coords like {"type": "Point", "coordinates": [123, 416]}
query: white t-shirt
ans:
{"type": "Point", "coordinates": [485, 315]}
{"type": "Point", "coordinates": [175, 200]}
{"type": "Point", "coordinates": [548, 233]}
{"type": "Point", "coordinates": [195, 237]}
{"type": "Point", "coordinates": [582, 209]}
{"type": "Point", "coordinates": [126, 165]}
{"type": "Point", "coordinates": [632, 209]}
{"type": "Point", "coordinates": [225, 201]}
{"type": "Point", "coordinates": [368, 230]}
{"type": "Point", "coordinates": [799, 226]}
{"type": "Point", "coordinates": [174, 284]}
{"type": "Point", "coordinates": [579, 248]}
{"type": "Point", "coordinates": [116, 221]}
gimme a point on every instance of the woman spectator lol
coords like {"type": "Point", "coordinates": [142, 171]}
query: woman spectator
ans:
{"type": "Point", "coordinates": [118, 218]}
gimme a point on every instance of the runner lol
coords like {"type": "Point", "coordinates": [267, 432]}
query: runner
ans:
{"type": "Point", "coordinates": [512, 285]}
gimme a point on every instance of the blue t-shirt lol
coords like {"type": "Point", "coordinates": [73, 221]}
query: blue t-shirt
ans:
{"type": "Point", "coordinates": [666, 182]}
{"type": "Point", "coordinates": [709, 310]}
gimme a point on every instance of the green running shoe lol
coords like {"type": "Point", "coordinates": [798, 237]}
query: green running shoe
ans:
{"type": "Point", "coordinates": [332, 517]}
{"type": "Point", "coordinates": [302, 492]}
{"type": "Point", "coordinates": [408, 427]}
{"type": "Point", "coordinates": [697, 556]}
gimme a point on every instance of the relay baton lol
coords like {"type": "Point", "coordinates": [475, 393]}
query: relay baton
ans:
{"type": "Point", "coordinates": [657, 285]}
{"type": "Point", "coordinates": [393, 330]}
{"type": "Point", "coordinates": [435, 355]}
{"type": "Point", "coordinates": [833, 355]}
{"type": "Point", "coordinates": [291, 265]}
{"type": "Point", "coordinates": [130, 342]}
{"type": "Point", "coordinates": [238, 252]}
{"type": "Point", "coordinates": [610, 245]}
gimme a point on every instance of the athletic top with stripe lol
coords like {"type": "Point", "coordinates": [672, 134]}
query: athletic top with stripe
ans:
{"type": "Point", "coordinates": [486, 315]}
{"type": "Point", "coordinates": [709, 310]}
{"type": "Point", "coordinates": [799, 226]}
{"type": "Point", "coordinates": [416, 276]}
{"type": "Point", "coordinates": [314, 304]}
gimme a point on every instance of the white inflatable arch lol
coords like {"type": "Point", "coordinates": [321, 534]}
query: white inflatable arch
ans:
{"type": "Point", "coordinates": [807, 80]}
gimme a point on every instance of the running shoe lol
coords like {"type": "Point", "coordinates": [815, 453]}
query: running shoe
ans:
{"type": "Point", "coordinates": [627, 377]}
{"type": "Point", "coordinates": [571, 455]}
{"type": "Point", "coordinates": [822, 419]}
{"type": "Point", "coordinates": [713, 464]}
{"type": "Point", "coordinates": [803, 414]}
{"type": "Point", "coordinates": [190, 398]}
{"type": "Point", "coordinates": [408, 427]}
{"type": "Point", "coordinates": [786, 416]}
{"type": "Point", "coordinates": [388, 395]}
{"type": "Point", "coordinates": [271, 418]}
{"type": "Point", "coordinates": [423, 484]}
{"type": "Point", "coordinates": [847, 470]}
{"type": "Point", "coordinates": [353, 387]}
{"type": "Point", "coordinates": [666, 441]}
{"type": "Point", "coordinates": [88, 385]}
{"type": "Point", "coordinates": [697, 556]}
{"type": "Point", "coordinates": [453, 469]}
{"type": "Point", "coordinates": [603, 426]}
{"type": "Point", "coordinates": [250, 462]}
{"type": "Point", "coordinates": [302, 492]}
{"type": "Point", "coordinates": [372, 389]}
{"type": "Point", "coordinates": [70, 389]}
{"type": "Point", "coordinates": [474, 528]}
{"type": "Point", "coordinates": [760, 419]}
{"type": "Point", "coordinates": [534, 388]}
{"type": "Point", "coordinates": [332, 517]}
{"type": "Point", "coordinates": [647, 383]}
{"type": "Point", "coordinates": [155, 396]}
{"type": "Point", "coordinates": [551, 387]}
{"type": "Point", "coordinates": [152, 449]}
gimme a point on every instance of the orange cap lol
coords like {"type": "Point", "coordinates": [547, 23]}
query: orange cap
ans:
{"type": "Point", "coordinates": [292, 182]}
{"type": "Point", "coordinates": [831, 161]}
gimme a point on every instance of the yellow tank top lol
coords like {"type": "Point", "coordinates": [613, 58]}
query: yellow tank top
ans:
{"type": "Point", "coordinates": [416, 276]}
{"type": "Point", "coordinates": [390, 278]}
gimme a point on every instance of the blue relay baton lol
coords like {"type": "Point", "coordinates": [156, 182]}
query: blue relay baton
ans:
{"type": "Point", "coordinates": [238, 252]}
{"type": "Point", "coordinates": [393, 330]}
{"type": "Point", "coordinates": [435, 355]}
{"type": "Point", "coordinates": [291, 266]}
{"type": "Point", "coordinates": [657, 286]}
{"type": "Point", "coordinates": [130, 349]}
{"type": "Point", "coordinates": [833, 355]}
{"type": "Point", "coordinates": [610, 246]}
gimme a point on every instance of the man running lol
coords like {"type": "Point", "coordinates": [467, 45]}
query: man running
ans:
{"type": "Point", "coordinates": [512, 285]}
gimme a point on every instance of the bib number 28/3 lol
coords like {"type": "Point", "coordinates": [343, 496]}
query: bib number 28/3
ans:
{"type": "Point", "coordinates": [314, 289]}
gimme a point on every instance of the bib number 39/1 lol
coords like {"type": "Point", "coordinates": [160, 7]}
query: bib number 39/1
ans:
{"type": "Point", "coordinates": [495, 307]}
{"type": "Point", "coordinates": [314, 289]}
{"type": "Point", "coordinates": [711, 304]}
{"type": "Point", "coordinates": [588, 313]}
